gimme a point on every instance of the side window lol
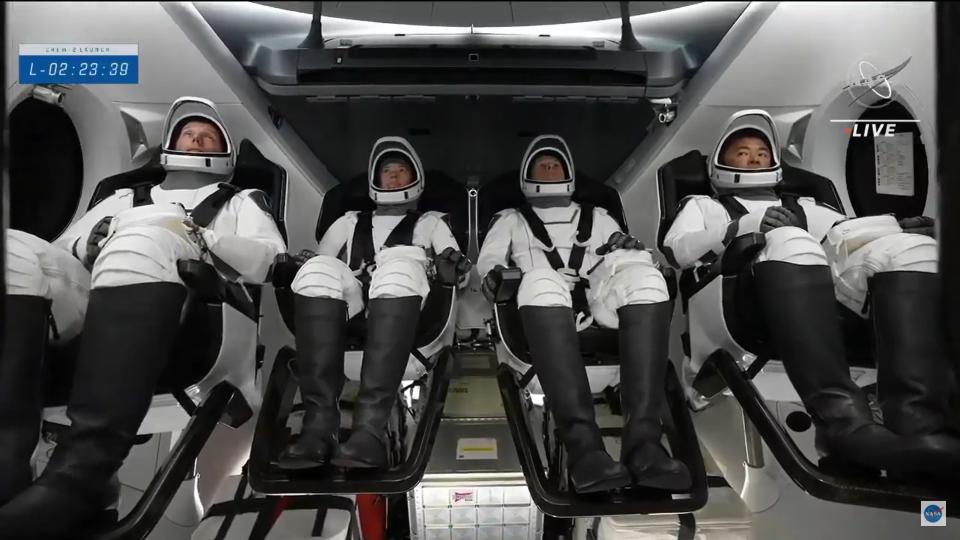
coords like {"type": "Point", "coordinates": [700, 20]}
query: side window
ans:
{"type": "Point", "coordinates": [46, 169]}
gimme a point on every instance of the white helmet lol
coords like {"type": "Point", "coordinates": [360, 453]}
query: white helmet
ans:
{"type": "Point", "coordinates": [552, 145]}
{"type": "Point", "coordinates": [756, 121]}
{"type": "Point", "coordinates": [387, 148]}
{"type": "Point", "coordinates": [182, 111]}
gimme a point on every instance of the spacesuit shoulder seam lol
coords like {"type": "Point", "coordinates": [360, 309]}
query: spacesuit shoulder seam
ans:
{"type": "Point", "coordinates": [120, 193]}
{"type": "Point", "coordinates": [433, 214]}
{"type": "Point", "coordinates": [246, 194]}
{"type": "Point", "coordinates": [699, 201]}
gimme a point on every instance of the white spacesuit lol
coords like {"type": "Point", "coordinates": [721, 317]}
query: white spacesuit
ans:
{"type": "Point", "coordinates": [114, 273]}
{"type": "Point", "coordinates": [813, 256]}
{"type": "Point", "coordinates": [380, 260]}
{"type": "Point", "coordinates": [560, 246]}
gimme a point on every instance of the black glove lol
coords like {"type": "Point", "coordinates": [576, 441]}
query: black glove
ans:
{"type": "Point", "coordinates": [492, 282]}
{"type": "Point", "coordinates": [619, 240]}
{"type": "Point", "coordinates": [451, 264]}
{"type": "Point", "coordinates": [778, 216]}
{"type": "Point", "coordinates": [286, 266]}
{"type": "Point", "coordinates": [919, 225]}
{"type": "Point", "coordinates": [97, 234]}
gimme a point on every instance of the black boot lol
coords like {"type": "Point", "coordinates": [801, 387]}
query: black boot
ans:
{"type": "Point", "coordinates": [914, 377]}
{"type": "Point", "coordinates": [799, 306]}
{"type": "Point", "coordinates": [644, 353]}
{"type": "Point", "coordinates": [555, 350]}
{"type": "Point", "coordinates": [320, 323]}
{"type": "Point", "coordinates": [391, 330]}
{"type": "Point", "coordinates": [127, 336]}
{"type": "Point", "coordinates": [21, 401]}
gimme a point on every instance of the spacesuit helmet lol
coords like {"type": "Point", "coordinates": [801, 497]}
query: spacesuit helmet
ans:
{"type": "Point", "coordinates": [387, 156]}
{"type": "Point", "coordinates": [553, 146]}
{"type": "Point", "coordinates": [190, 111]}
{"type": "Point", "coordinates": [756, 124]}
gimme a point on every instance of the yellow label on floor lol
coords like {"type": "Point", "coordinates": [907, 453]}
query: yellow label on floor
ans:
{"type": "Point", "coordinates": [473, 448]}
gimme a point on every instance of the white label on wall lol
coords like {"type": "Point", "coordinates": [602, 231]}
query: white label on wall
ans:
{"type": "Point", "coordinates": [894, 162]}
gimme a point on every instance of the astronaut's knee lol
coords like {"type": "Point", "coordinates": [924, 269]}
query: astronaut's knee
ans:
{"type": "Point", "coordinates": [640, 284]}
{"type": "Point", "coordinates": [142, 254]}
{"type": "Point", "coordinates": [24, 272]}
{"type": "Point", "coordinates": [399, 277]}
{"type": "Point", "coordinates": [544, 288]}
{"type": "Point", "coordinates": [321, 276]}
{"type": "Point", "coordinates": [792, 245]}
{"type": "Point", "coordinates": [912, 253]}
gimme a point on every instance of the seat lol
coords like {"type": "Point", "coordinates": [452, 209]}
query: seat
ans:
{"type": "Point", "coordinates": [428, 366]}
{"type": "Point", "coordinates": [216, 351]}
{"type": "Point", "coordinates": [597, 344]}
{"type": "Point", "coordinates": [545, 472]}
{"type": "Point", "coordinates": [686, 176]}
{"type": "Point", "coordinates": [730, 349]}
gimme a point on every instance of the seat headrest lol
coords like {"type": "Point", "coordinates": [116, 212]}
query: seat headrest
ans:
{"type": "Point", "coordinates": [441, 194]}
{"type": "Point", "coordinates": [686, 175]}
{"type": "Point", "coordinates": [252, 171]}
{"type": "Point", "coordinates": [339, 200]}
{"type": "Point", "coordinates": [504, 192]}
{"type": "Point", "coordinates": [150, 173]}
{"type": "Point", "coordinates": [807, 184]}
{"type": "Point", "coordinates": [604, 196]}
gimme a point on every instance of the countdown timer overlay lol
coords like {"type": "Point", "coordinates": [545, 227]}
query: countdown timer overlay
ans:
{"type": "Point", "coordinates": [79, 64]}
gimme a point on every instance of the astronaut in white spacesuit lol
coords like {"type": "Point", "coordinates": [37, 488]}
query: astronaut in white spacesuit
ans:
{"type": "Point", "coordinates": [376, 260]}
{"type": "Point", "coordinates": [113, 273]}
{"type": "Point", "coordinates": [814, 256]}
{"type": "Point", "coordinates": [626, 291]}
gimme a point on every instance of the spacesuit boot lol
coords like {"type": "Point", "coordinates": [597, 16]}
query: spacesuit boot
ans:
{"type": "Point", "coordinates": [554, 348]}
{"type": "Point", "coordinates": [391, 331]}
{"type": "Point", "coordinates": [914, 378]}
{"type": "Point", "coordinates": [127, 336]}
{"type": "Point", "coordinates": [644, 353]}
{"type": "Point", "coordinates": [320, 344]}
{"type": "Point", "coordinates": [799, 305]}
{"type": "Point", "coordinates": [21, 390]}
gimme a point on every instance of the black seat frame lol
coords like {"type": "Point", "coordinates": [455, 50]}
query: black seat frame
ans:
{"type": "Point", "coordinates": [599, 346]}
{"type": "Point", "coordinates": [441, 194]}
{"type": "Point", "coordinates": [193, 350]}
{"type": "Point", "coordinates": [686, 175]}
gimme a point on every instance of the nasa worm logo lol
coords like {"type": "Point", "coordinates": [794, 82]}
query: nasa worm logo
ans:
{"type": "Point", "coordinates": [933, 513]}
{"type": "Point", "coordinates": [869, 86]}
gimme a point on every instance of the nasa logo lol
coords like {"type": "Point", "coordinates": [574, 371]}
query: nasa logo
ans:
{"type": "Point", "coordinates": [932, 513]}
{"type": "Point", "coordinates": [869, 86]}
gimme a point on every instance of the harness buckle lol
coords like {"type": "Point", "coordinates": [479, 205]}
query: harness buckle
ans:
{"type": "Point", "coordinates": [584, 244]}
{"type": "Point", "coordinates": [365, 268]}
{"type": "Point", "coordinates": [584, 320]}
{"type": "Point", "coordinates": [571, 276]}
